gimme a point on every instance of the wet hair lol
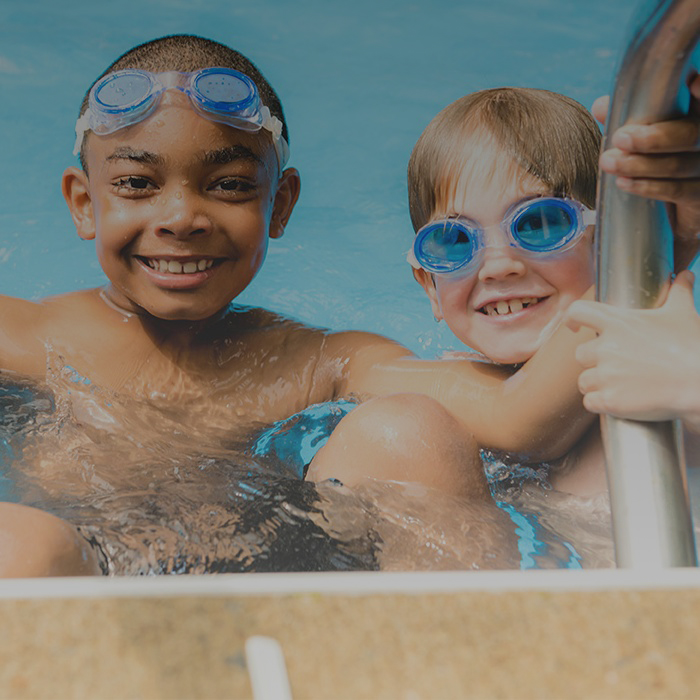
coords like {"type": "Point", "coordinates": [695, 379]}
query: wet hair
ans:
{"type": "Point", "coordinates": [545, 134]}
{"type": "Point", "coordinates": [187, 53]}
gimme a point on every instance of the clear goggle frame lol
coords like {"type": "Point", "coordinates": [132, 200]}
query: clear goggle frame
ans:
{"type": "Point", "coordinates": [221, 95]}
{"type": "Point", "coordinates": [538, 227]}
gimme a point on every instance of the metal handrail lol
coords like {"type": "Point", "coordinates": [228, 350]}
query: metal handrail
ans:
{"type": "Point", "coordinates": [645, 463]}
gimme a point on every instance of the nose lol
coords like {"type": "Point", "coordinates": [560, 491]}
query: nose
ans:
{"type": "Point", "coordinates": [500, 262]}
{"type": "Point", "coordinates": [180, 215]}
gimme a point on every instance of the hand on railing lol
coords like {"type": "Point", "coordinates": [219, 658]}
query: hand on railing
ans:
{"type": "Point", "coordinates": [660, 161]}
{"type": "Point", "coordinates": [644, 364]}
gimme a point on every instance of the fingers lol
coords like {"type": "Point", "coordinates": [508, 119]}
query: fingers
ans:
{"type": "Point", "coordinates": [680, 295]}
{"type": "Point", "coordinates": [658, 161]}
{"type": "Point", "coordinates": [587, 356]}
{"type": "Point", "coordinates": [676, 136]}
{"type": "Point", "coordinates": [656, 166]}
{"type": "Point", "coordinates": [667, 178]}
{"type": "Point", "coordinates": [672, 191]}
{"type": "Point", "coordinates": [595, 398]}
{"type": "Point", "coordinates": [694, 87]}
{"type": "Point", "coordinates": [591, 314]}
{"type": "Point", "coordinates": [588, 381]}
{"type": "Point", "coordinates": [685, 278]}
{"type": "Point", "coordinates": [600, 108]}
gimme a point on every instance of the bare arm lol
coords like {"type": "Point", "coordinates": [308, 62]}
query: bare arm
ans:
{"type": "Point", "coordinates": [22, 349]}
{"type": "Point", "coordinates": [536, 412]}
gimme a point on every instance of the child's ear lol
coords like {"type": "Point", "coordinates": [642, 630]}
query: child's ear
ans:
{"type": "Point", "coordinates": [286, 197]}
{"type": "Point", "coordinates": [426, 280]}
{"type": "Point", "coordinates": [76, 192]}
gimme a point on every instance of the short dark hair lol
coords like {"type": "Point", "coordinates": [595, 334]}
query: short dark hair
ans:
{"type": "Point", "coordinates": [186, 53]}
{"type": "Point", "coordinates": [548, 135]}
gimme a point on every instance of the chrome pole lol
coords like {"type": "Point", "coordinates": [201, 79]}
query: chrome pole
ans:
{"type": "Point", "coordinates": [645, 462]}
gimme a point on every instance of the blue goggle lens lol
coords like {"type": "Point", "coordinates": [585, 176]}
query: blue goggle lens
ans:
{"type": "Point", "coordinates": [225, 89]}
{"type": "Point", "coordinates": [539, 226]}
{"type": "Point", "coordinates": [445, 246]}
{"type": "Point", "coordinates": [544, 227]}
{"type": "Point", "coordinates": [123, 91]}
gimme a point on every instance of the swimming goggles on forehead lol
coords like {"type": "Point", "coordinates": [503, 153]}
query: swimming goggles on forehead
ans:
{"type": "Point", "coordinates": [540, 227]}
{"type": "Point", "coordinates": [219, 94]}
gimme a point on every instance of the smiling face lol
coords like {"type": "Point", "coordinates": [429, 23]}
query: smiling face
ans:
{"type": "Point", "coordinates": [507, 307]}
{"type": "Point", "coordinates": [181, 209]}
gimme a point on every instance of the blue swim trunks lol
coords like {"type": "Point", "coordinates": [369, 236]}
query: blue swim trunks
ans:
{"type": "Point", "coordinates": [290, 444]}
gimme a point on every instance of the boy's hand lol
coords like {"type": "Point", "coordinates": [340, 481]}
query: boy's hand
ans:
{"type": "Point", "coordinates": [660, 161]}
{"type": "Point", "coordinates": [644, 364]}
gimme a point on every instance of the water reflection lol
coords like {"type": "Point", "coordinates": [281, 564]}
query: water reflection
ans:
{"type": "Point", "coordinates": [153, 498]}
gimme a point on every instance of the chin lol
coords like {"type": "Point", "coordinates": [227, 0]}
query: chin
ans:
{"type": "Point", "coordinates": [511, 356]}
{"type": "Point", "coordinates": [184, 315]}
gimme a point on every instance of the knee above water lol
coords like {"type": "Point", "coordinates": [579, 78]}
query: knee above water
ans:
{"type": "Point", "coordinates": [408, 419]}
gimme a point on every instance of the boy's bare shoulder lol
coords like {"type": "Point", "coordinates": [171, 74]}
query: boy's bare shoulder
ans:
{"type": "Point", "coordinates": [334, 355]}
{"type": "Point", "coordinates": [251, 322]}
{"type": "Point", "coordinates": [29, 328]}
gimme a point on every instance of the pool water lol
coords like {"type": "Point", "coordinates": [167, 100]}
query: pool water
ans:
{"type": "Point", "coordinates": [359, 82]}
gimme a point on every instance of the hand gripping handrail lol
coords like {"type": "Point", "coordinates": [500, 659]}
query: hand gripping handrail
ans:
{"type": "Point", "coordinates": [645, 462]}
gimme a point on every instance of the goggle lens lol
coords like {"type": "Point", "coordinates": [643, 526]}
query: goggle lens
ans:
{"type": "Point", "coordinates": [219, 94]}
{"type": "Point", "coordinates": [446, 246]}
{"type": "Point", "coordinates": [544, 227]}
{"type": "Point", "coordinates": [540, 226]}
{"type": "Point", "coordinates": [123, 91]}
{"type": "Point", "coordinates": [224, 89]}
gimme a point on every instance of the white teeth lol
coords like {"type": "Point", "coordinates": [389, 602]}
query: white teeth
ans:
{"type": "Point", "coordinates": [502, 307]}
{"type": "Point", "coordinates": [515, 306]}
{"type": "Point", "coordinates": [177, 268]}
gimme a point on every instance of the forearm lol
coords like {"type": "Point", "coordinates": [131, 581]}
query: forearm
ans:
{"type": "Point", "coordinates": [537, 412]}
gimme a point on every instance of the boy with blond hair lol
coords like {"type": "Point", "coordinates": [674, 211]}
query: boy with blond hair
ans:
{"type": "Point", "coordinates": [502, 187]}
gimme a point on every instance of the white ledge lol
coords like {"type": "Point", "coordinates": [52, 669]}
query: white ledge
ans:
{"type": "Point", "coordinates": [350, 583]}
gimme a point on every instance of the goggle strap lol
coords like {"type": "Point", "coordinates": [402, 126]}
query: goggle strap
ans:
{"type": "Point", "coordinates": [589, 217]}
{"type": "Point", "coordinates": [274, 126]}
{"type": "Point", "coordinates": [81, 126]}
{"type": "Point", "coordinates": [412, 260]}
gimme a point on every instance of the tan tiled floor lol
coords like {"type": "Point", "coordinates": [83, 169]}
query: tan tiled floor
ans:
{"type": "Point", "coordinates": [475, 644]}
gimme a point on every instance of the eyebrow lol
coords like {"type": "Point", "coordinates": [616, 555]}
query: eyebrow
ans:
{"type": "Point", "coordinates": [222, 156]}
{"type": "Point", "coordinates": [138, 156]}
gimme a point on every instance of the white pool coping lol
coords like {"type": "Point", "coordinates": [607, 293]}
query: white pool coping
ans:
{"type": "Point", "coordinates": [349, 583]}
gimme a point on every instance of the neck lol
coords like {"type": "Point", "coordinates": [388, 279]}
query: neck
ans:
{"type": "Point", "coordinates": [582, 471]}
{"type": "Point", "coordinates": [163, 331]}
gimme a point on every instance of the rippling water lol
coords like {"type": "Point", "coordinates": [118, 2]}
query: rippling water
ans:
{"type": "Point", "coordinates": [156, 501]}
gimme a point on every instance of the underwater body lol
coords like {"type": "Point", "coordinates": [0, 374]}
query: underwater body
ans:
{"type": "Point", "coordinates": [151, 498]}
{"type": "Point", "coordinates": [146, 484]}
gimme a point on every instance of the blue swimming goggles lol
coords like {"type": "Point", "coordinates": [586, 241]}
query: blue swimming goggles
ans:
{"type": "Point", "coordinates": [219, 94]}
{"type": "Point", "coordinates": [540, 226]}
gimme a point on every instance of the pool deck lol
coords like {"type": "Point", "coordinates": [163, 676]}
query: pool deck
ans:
{"type": "Point", "coordinates": [547, 634]}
